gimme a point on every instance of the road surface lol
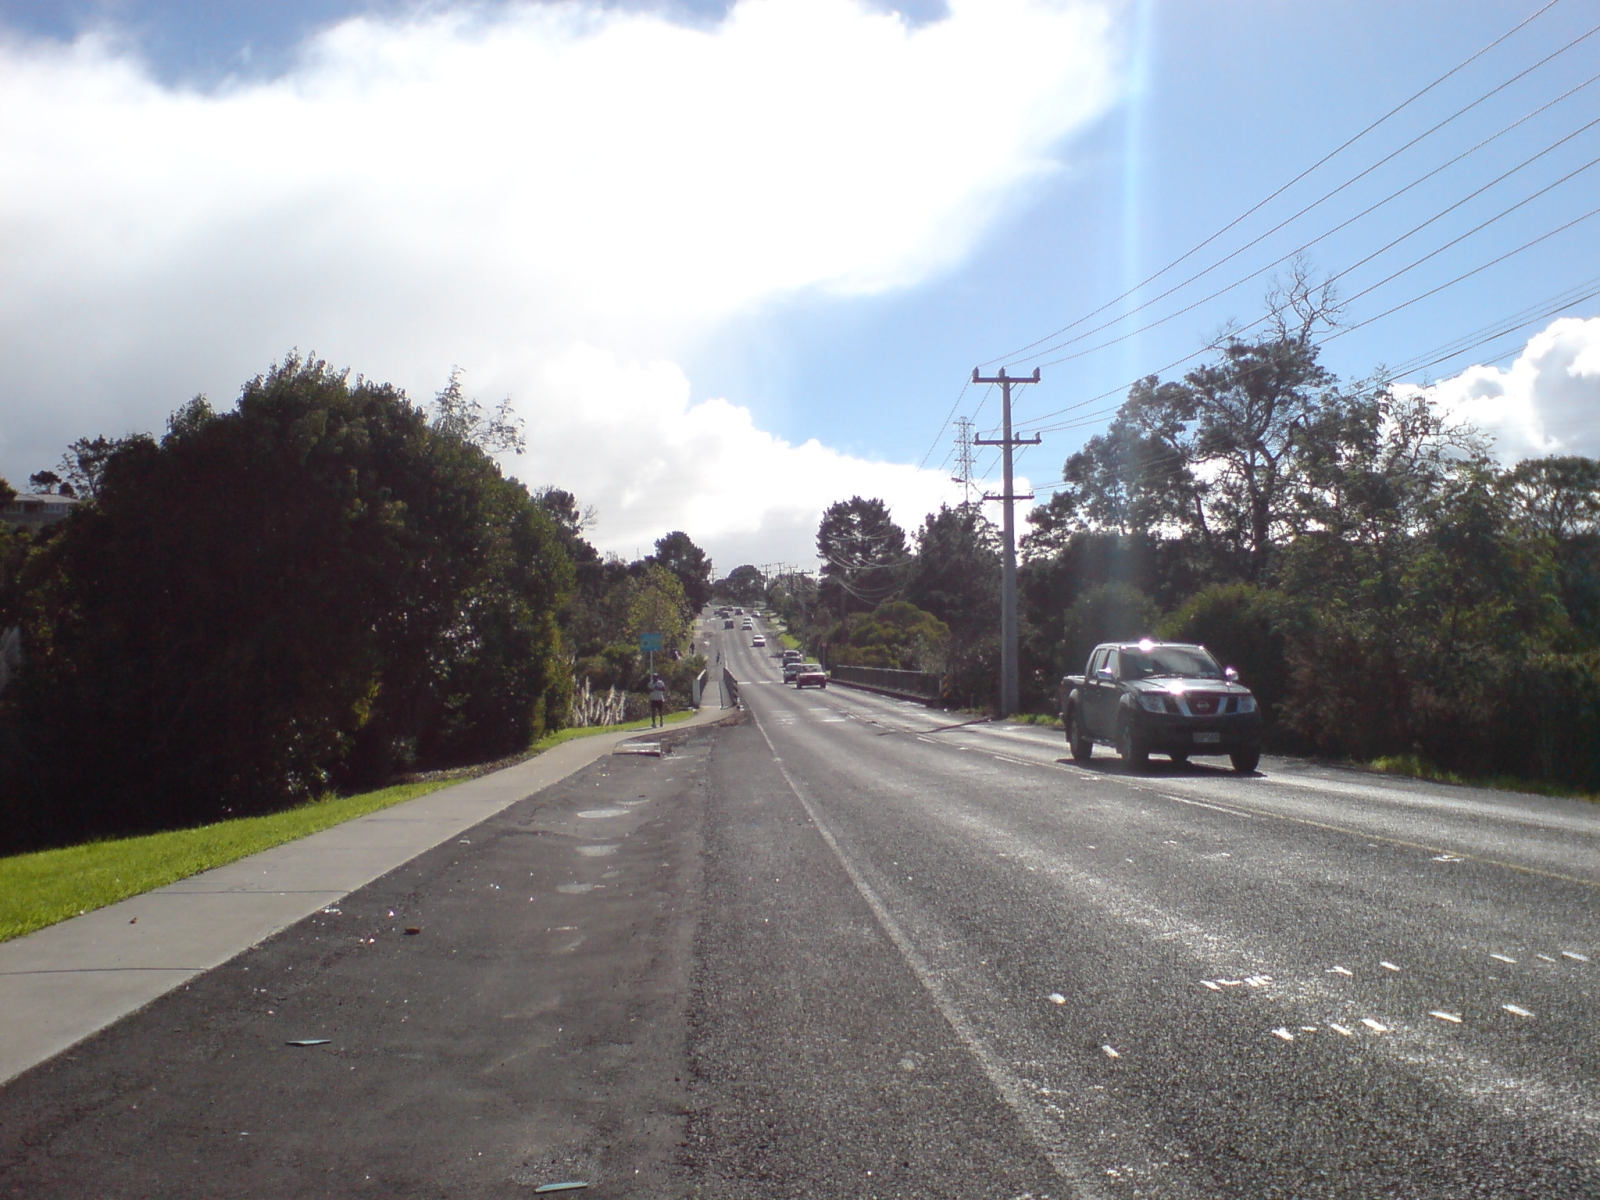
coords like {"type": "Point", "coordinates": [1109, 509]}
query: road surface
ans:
{"type": "Point", "coordinates": [853, 947]}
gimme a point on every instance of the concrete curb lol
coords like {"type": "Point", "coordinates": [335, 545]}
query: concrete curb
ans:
{"type": "Point", "coordinates": [67, 982]}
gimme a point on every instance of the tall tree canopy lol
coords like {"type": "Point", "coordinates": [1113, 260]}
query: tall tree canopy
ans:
{"type": "Point", "coordinates": [863, 555]}
{"type": "Point", "coordinates": [320, 585]}
{"type": "Point", "coordinates": [688, 563]}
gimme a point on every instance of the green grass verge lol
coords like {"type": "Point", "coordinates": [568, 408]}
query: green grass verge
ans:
{"type": "Point", "coordinates": [42, 888]}
{"type": "Point", "coordinates": [1416, 767]}
{"type": "Point", "coordinates": [47, 886]}
{"type": "Point", "coordinates": [1049, 719]}
{"type": "Point", "coordinates": [790, 642]}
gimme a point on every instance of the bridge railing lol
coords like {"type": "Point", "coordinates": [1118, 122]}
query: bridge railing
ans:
{"type": "Point", "coordinates": [908, 685]}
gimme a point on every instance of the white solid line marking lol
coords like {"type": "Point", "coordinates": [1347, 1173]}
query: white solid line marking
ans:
{"type": "Point", "coordinates": [1517, 1009]}
{"type": "Point", "coordinates": [1342, 1029]}
{"type": "Point", "coordinates": [1574, 956]}
{"type": "Point", "coordinates": [1388, 966]}
{"type": "Point", "coordinates": [1375, 1026]}
{"type": "Point", "coordinates": [1110, 1053]}
{"type": "Point", "coordinates": [1338, 971]}
{"type": "Point", "coordinates": [1011, 1089]}
{"type": "Point", "coordinates": [1503, 958]}
{"type": "Point", "coordinates": [1453, 1018]}
{"type": "Point", "coordinates": [1284, 1034]}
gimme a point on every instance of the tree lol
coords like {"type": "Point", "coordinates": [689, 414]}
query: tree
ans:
{"type": "Point", "coordinates": [896, 634]}
{"type": "Point", "coordinates": [956, 577]}
{"type": "Point", "coordinates": [454, 415]}
{"type": "Point", "coordinates": [318, 587]}
{"type": "Point", "coordinates": [743, 585]}
{"type": "Point", "coordinates": [678, 554]}
{"type": "Point", "coordinates": [863, 553]}
{"type": "Point", "coordinates": [657, 605]}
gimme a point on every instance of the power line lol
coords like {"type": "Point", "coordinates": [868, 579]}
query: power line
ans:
{"type": "Point", "coordinates": [1304, 246]}
{"type": "Point", "coordinates": [1285, 187]}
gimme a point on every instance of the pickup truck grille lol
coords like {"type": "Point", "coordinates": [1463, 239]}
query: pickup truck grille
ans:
{"type": "Point", "coordinates": [1205, 704]}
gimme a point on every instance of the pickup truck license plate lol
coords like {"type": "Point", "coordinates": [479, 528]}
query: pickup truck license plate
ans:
{"type": "Point", "coordinates": [1211, 738]}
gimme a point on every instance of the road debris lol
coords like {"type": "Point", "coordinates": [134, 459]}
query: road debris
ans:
{"type": "Point", "coordinates": [574, 1185]}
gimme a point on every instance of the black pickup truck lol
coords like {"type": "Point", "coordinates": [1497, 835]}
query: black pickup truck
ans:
{"type": "Point", "coordinates": [1162, 698]}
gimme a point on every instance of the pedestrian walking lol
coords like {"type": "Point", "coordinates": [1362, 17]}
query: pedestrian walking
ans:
{"type": "Point", "coordinates": [658, 701]}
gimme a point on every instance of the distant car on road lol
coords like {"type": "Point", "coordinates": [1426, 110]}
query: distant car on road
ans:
{"type": "Point", "coordinates": [790, 656]}
{"type": "Point", "coordinates": [791, 669]}
{"type": "Point", "coordinates": [728, 623]}
{"type": "Point", "coordinates": [811, 674]}
{"type": "Point", "coordinates": [758, 640]}
{"type": "Point", "coordinates": [1164, 698]}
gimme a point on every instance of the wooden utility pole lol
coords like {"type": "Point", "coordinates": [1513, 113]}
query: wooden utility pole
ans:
{"type": "Point", "coordinates": [1008, 530]}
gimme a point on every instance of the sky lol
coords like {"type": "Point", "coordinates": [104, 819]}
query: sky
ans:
{"type": "Point", "coordinates": [734, 261]}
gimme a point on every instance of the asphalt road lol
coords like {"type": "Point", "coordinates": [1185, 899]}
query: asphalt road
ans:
{"type": "Point", "coordinates": [848, 949]}
{"type": "Point", "coordinates": [1310, 982]}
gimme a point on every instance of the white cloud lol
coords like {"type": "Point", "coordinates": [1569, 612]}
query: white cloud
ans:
{"type": "Point", "coordinates": [509, 192]}
{"type": "Point", "coordinates": [1546, 402]}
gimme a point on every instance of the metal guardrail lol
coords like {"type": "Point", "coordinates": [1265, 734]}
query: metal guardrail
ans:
{"type": "Point", "coordinates": [908, 685]}
{"type": "Point", "coordinates": [697, 688]}
{"type": "Point", "coordinates": [730, 689]}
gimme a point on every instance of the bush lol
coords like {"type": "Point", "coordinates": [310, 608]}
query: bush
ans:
{"type": "Point", "coordinates": [1242, 627]}
{"type": "Point", "coordinates": [1110, 612]}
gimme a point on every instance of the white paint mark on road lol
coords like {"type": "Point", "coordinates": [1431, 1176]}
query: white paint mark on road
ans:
{"type": "Point", "coordinates": [1503, 958]}
{"type": "Point", "coordinates": [1375, 1026]}
{"type": "Point", "coordinates": [1545, 957]}
{"type": "Point", "coordinates": [1231, 982]}
{"type": "Point", "coordinates": [1283, 1033]}
{"type": "Point", "coordinates": [1211, 985]}
{"type": "Point", "coordinates": [1574, 956]}
{"type": "Point", "coordinates": [1342, 1029]}
{"type": "Point", "coordinates": [1388, 966]}
{"type": "Point", "coordinates": [1338, 971]}
{"type": "Point", "coordinates": [1110, 1053]}
{"type": "Point", "coordinates": [597, 851]}
{"type": "Point", "coordinates": [1445, 858]}
{"type": "Point", "coordinates": [1057, 998]}
{"type": "Point", "coordinates": [1516, 1009]}
{"type": "Point", "coordinates": [595, 814]}
{"type": "Point", "coordinates": [1258, 980]}
{"type": "Point", "coordinates": [1308, 1029]}
{"type": "Point", "coordinates": [1453, 1018]}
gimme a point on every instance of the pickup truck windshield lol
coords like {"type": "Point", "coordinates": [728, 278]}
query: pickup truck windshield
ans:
{"type": "Point", "coordinates": [1183, 661]}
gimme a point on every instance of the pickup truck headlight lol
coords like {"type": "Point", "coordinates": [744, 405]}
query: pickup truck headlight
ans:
{"type": "Point", "coordinates": [1153, 703]}
{"type": "Point", "coordinates": [1247, 704]}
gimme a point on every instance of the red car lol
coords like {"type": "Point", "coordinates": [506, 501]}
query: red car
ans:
{"type": "Point", "coordinates": [811, 674]}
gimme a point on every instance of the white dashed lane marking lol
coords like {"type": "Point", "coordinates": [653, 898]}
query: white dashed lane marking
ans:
{"type": "Point", "coordinates": [1517, 1010]}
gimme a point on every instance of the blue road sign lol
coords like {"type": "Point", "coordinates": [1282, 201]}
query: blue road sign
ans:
{"type": "Point", "coordinates": [649, 642]}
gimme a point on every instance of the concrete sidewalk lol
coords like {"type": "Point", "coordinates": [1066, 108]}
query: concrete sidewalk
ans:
{"type": "Point", "coordinates": [64, 983]}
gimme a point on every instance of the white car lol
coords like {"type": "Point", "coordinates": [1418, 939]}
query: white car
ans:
{"type": "Point", "coordinates": [758, 640]}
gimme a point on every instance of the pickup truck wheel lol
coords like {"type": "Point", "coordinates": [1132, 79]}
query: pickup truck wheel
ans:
{"type": "Point", "coordinates": [1179, 759]}
{"type": "Point", "coordinates": [1245, 761]}
{"type": "Point", "coordinates": [1135, 754]}
{"type": "Point", "coordinates": [1078, 739]}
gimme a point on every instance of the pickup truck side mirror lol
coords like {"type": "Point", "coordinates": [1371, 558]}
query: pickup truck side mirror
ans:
{"type": "Point", "coordinates": [1230, 674]}
{"type": "Point", "coordinates": [1104, 674]}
